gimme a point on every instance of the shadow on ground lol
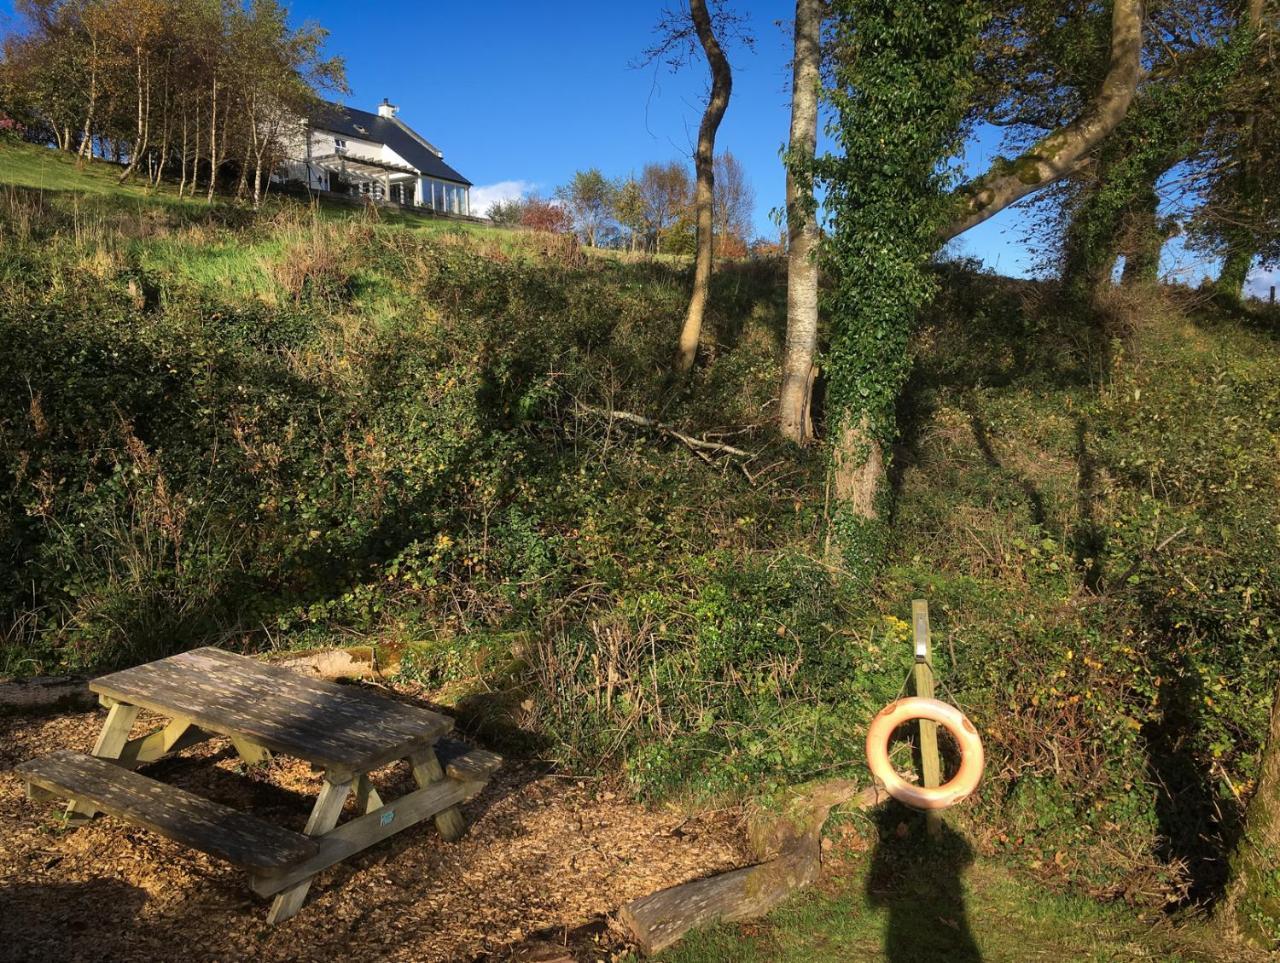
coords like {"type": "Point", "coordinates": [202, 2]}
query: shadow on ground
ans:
{"type": "Point", "coordinates": [919, 882]}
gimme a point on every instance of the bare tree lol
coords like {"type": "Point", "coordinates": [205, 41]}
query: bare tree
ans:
{"type": "Point", "coordinates": [794, 419]}
{"type": "Point", "coordinates": [704, 164]}
{"type": "Point", "coordinates": [678, 31]}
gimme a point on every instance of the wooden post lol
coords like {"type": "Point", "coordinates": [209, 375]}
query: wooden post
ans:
{"type": "Point", "coordinates": [1273, 294]}
{"type": "Point", "coordinates": [930, 761]}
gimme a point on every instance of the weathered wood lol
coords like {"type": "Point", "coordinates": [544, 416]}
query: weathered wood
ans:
{"type": "Point", "coordinates": [365, 831]}
{"type": "Point", "coordinates": [251, 752]}
{"type": "Point", "coordinates": [427, 771]}
{"type": "Point", "coordinates": [930, 760]}
{"type": "Point", "coordinates": [656, 922]}
{"type": "Point", "coordinates": [367, 798]}
{"type": "Point", "coordinates": [792, 829]}
{"type": "Point", "coordinates": [182, 816]}
{"type": "Point", "coordinates": [110, 744]}
{"type": "Point", "coordinates": [462, 762]}
{"type": "Point", "coordinates": [333, 726]}
{"type": "Point", "coordinates": [324, 816]}
{"type": "Point", "coordinates": [45, 692]}
{"type": "Point", "coordinates": [177, 735]}
{"type": "Point", "coordinates": [334, 664]}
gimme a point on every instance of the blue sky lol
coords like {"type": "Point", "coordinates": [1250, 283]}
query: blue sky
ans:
{"type": "Point", "coordinates": [519, 95]}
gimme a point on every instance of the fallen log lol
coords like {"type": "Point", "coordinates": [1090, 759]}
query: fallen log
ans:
{"type": "Point", "coordinates": [357, 662]}
{"type": "Point", "coordinates": [46, 692]}
{"type": "Point", "coordinates": [791, 839]}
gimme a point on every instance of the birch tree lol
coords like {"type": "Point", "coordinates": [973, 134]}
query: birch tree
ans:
{"type": "Point", "coordinates": [794, 420]}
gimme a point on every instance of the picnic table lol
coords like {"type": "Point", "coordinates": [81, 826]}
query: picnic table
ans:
{"type": "Point", "coordinates": [346, 731]}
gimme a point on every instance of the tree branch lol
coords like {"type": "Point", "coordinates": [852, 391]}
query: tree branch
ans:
{"type": "Point", "coordinates": [1058, 154]}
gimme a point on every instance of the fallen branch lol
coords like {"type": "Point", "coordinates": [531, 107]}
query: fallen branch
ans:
{"type": "Point", "coordinates": [1146, 557]}
{"type": "Point", "coordinates": [696, 445]}
{"type": "Point", "coordinates": [793, 837]}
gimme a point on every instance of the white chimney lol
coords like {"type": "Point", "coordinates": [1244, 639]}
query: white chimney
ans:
{"type": "Point", "coordinates": [386, 108]}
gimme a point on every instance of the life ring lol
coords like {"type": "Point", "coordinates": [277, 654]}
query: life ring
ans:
{"type": "Point", "coordinates": [953, 720]}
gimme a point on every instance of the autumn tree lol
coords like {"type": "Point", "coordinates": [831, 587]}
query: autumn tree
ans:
{"type": "Point", "coordinates": [629, 211]}
{"type": "Point", "coordinates": [163, 83]}
{"type": "Point", "coordinates": [733, 206]}
{"type": "Point", "coordinates": [588, 201]}
{"type": "Point", "coordinates": [508, 213]}
{"type": "Point", "coordinates": [666, 192]}
{"type": "Point", "coordinates": [542, 215]}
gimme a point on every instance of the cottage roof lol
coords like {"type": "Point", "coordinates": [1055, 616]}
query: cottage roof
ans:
{"type": "Point", "coordinates": [391, 131]}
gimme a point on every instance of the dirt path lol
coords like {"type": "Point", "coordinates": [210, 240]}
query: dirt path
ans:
{"type": "Point", "coordinates": [545, 856]}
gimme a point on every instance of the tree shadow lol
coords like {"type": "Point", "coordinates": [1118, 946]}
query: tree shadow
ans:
{"type": "Point", "coordinates": [920, 883]}
{"type": "Point", "coordinates": [1088, 537]}
{"type": "Point", "coordinates": [65, 921]}
{"type": "Point", "coordinates": [1197, 833]}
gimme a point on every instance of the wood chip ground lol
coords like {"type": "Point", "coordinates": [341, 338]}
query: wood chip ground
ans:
{"type": "Point", "coordinates": [545, 857]}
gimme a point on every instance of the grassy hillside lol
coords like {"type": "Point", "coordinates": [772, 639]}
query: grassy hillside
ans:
{"type": "Point", "coordinates": [304, 427]}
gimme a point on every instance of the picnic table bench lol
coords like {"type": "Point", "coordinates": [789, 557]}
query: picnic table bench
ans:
{"type": "Point", "coordinates": [344, 730]}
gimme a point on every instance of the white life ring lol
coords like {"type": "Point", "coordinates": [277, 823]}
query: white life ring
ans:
{"type": "Point", "coordinates": [947, 716]}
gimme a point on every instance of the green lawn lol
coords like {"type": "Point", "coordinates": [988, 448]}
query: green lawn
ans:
{"type": "Point", "coordinates": [899, 905]}
{"type": "Point", "coordinates": [24, 165]}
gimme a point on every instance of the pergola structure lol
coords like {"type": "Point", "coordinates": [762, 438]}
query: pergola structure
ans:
{"type": "Point", "coordinates": [398, 183]}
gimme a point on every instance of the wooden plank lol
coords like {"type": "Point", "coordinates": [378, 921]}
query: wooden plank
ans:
{"type": "Point", "coordinates": [368, 830]}
{"type": "Point", "coordinates": [333, 726]}
{"type": "Point", "coordinates": [177, 735]}
{"type": "Point", "coordinates": [462, 762]}
{"type": "Point", "coordinates": [110, 744]}
{"type": "Point", "coordinates": [324, 816]}
{"type": "Point", "coordinates": [251, 752]}
{"type": "Point", "coordinates": [367, 798]}
{"type": "Point", "coordinates": [427, 771]}
{"type": "Point", "coordinates": [930, 760]}
{"type": "Point", "coordinates": [182, 816]}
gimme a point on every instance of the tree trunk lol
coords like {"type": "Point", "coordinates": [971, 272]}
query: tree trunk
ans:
{"type": "Point", "coordinates": [1146, 241]}
{"type": "Point", "coordinates": [140, 137]}
{"type": "Point", "coordinates": [182, 183]}
{"type": "Point", "coordinates": [1064, 150]}
{"type": "Point", "coordinates": [704, 162]}
{"type": "Point", "coordinates": [85, 153]}
{"type": "Point", "coordinates": [213, 142]}
{"type": "Point", "coordinates": [1250, 907]}
{"type": "Point", "coordinates": [1092, 244]}
{"type": "Point", "coordinates": [1235, 270]}
{"type": "Point", "coordinates": [802, 228]}
{"type": "Point", "coordinates": [1240, 246]}
{"type": "Point", "coordinates": [858, 470]}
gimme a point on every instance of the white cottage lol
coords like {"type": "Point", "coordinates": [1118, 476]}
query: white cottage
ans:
{"type": "Point", "coordinates": [375, 155]}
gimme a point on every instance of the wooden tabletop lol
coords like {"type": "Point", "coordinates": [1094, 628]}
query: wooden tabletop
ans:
{"type": "Point", "coordinates": [333, 726]}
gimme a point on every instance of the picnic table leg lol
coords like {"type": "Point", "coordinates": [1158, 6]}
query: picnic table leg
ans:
{"type": "Point", "coordinates": [251, 752]}
{"type": "Point", "coordinates": [110, 744]}
{"type": "Point", "coordinates": [426, 771]}
{"type": "Point", "coordinates": [367, 798]}
{"type": "Point", "coordinates": [324, 816]}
